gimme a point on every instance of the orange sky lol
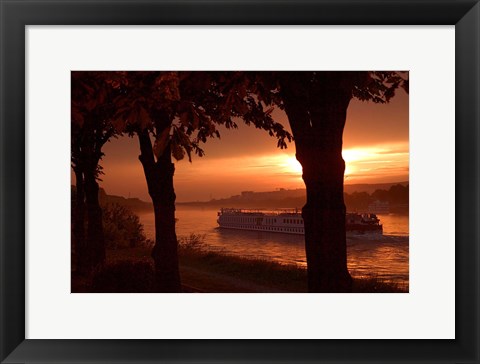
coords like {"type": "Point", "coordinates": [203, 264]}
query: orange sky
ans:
{"type": "Point", "coordinates": [375, 150]}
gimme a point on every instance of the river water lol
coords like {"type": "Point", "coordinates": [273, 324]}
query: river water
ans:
{"type": "Point", "coordinates": [383, 256]}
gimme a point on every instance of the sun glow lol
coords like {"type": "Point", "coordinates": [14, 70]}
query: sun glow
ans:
{"type": "Point", "coordinates": [293, 165]}
{"type": "Point", "coordinates": [376, 162]}
{"type": "Point", "coordinates": [353, 155]}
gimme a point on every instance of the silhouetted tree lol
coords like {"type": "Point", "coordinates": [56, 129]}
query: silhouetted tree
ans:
{"type": "Point", "coordinates": [398, 194]}
{"type": "Point", "coordinates": [380, 195]}
{"type": "Point", "coordinates": [91, 108]}
{"type": "Point", "coordinates": [357, 200]}
{"type": "Point", "coordinates": [179, 110]}
{"type": "Point", "coordinates": [316, 105]}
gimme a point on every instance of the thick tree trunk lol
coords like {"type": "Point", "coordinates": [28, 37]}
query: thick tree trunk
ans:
{"type": "Point", "coordinates": [87, 142]}
{"type": "Point", "coordinates": [81, 250]}
{"type": "Point", "coordinates": [159, 176]}
{"type": "Point", "coordinates": [324, 217]}
{"type": "Point", "coordinates": [317, 117]}
{"type": "Point", "coordinates": [95, 237]}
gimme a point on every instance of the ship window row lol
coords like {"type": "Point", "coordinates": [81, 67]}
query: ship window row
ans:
{"type": "Point", "coordinates": [292, 230]}
{"type": "Point", "coordinates": [267, 221]}
{"type": "Point", "coordinates": [248, 220]}
{"type": "Point", "coordinates": [270, 221]}
{"type": "Point", "coordinates": [293, 221]}
{"type": "Point", "coordinates": [270, 228]}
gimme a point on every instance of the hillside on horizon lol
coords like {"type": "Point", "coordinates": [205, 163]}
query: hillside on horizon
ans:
{"type": "Point", "coordinates": [132, 203]}
{"type": "Point", "coordinates": [288, 198]}
{"type": "Point", "coordinates": [370, 188]}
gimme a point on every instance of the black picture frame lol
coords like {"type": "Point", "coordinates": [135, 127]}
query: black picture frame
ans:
{"type": "Point", "coordinates": [16, 14]}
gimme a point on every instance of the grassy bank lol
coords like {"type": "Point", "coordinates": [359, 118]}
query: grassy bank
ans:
{"type": "Point", "coordinates": [274, 277]}
{"type": "Point", "coordinates": [254, 275]}
{"type": "Point", "coordinates": [202, 270]}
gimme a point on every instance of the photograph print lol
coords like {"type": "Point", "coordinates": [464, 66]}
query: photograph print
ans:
{"type": "Point", "coordinates": [239, 182]}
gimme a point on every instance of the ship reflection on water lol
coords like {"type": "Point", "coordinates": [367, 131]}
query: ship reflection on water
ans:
{"type": "Point", "coordinates": [369, 255]}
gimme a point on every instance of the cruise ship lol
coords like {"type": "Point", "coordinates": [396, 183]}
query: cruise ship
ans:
{"type": "Point", "coordinates": [288, 221]}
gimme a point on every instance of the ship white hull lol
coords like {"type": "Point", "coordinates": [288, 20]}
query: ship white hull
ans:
{"type": "Point", "coordinates": [286, 222]}
{"type": "Point", "coordinates": [268, 229]}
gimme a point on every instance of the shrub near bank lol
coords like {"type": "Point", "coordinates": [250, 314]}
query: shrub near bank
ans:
{"type": "Point", "coordinates": [122, 228]}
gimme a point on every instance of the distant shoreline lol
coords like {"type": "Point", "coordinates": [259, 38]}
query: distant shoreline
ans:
{"type": "Point", "coordinates": [282, 198]}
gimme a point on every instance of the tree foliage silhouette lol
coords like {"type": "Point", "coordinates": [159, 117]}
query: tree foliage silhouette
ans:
{"type": "Point", "coordinates": [172, 114]}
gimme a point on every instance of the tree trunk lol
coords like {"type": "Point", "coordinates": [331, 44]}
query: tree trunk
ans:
{"type": "Point", "coordinates": [324, 218]}
{"type": "Point", "coordinates": [81, 250]}
{"type": "Point", "coordinates": [159, 176]}
{"type": "Point", "coordinates": [317, 117]}
{"type": "Point", "coordinates": [95, 236]}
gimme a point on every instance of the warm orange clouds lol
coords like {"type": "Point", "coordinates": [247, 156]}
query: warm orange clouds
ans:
{"type": "Point", "coordinates": [375, 150]}
{"type": "Point", "coordinates": [209, 177]}
{"type": "Point", "coordinates": [383, 163]}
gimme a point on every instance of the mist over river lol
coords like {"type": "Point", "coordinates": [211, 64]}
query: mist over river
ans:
{"type": "Point", "coordinates": [383, 256]}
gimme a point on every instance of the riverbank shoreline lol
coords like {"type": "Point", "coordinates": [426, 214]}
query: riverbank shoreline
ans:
{"type": "Point", "coordinates": [205, 271]}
